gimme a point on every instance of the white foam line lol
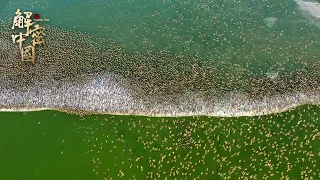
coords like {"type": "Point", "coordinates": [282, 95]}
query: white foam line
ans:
{"type": "Point", "coordinates": [217, 114]}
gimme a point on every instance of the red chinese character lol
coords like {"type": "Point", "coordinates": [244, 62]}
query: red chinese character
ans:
{"type": "Point", "coordinates": [36, 16]}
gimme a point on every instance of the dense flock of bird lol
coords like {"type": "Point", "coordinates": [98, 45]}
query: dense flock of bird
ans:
{"type": "Point", "coordinates": [152, 80]}
{"type": "Point", "coordinates": [79, 73]}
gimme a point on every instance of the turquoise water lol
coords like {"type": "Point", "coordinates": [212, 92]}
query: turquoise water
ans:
{"type": "Point", "coordinates": [215, 31]}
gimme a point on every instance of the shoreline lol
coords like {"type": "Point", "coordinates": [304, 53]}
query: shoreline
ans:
{"type": "Point", "coordinates": [241, 114]}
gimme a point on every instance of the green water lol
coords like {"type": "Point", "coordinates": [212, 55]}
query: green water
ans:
{"type": "Point", "coordinates": [100, 146]}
